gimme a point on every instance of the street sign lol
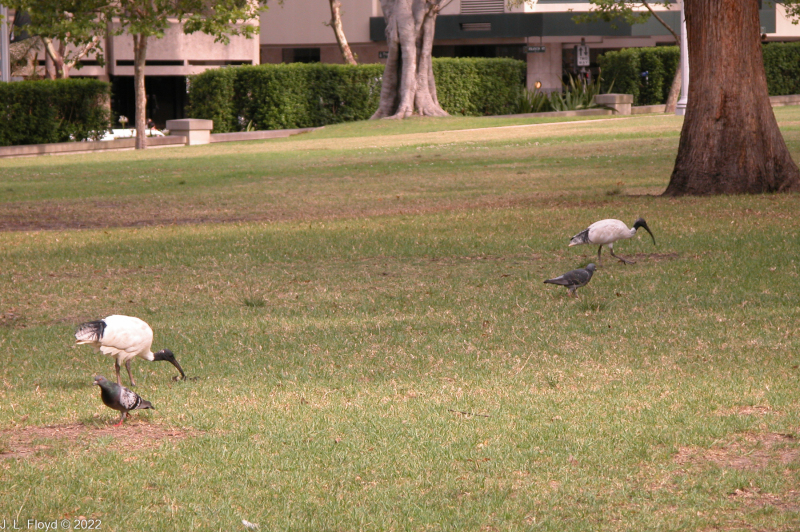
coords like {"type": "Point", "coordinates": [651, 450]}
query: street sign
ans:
{"type": "Point", "coordinates": [582, 55]}
{"type": "Point", "coordinates": [535, 49]}
{"type": "Point", "coordinates": [383, 55]}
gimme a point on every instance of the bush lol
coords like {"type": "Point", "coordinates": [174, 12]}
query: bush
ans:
{"type": "Point", "coordinates": [782, 63]}
{"type": "Point", "coordinates": [478, 86]}
{"type": "Point", "coordinates": [646, 73]}
{"type": "Point", "coordinates": [299, 95]}
{"type": "Point", "coordinates": [42, 112]}
{"type": "Point", "coordinates": [625, 68]}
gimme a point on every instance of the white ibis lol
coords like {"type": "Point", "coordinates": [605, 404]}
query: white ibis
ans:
{"type": "Point", "coordinates": [124, 338]}
{"type": "Point", "coordinates": [606, 232]}
{"type": "Point", "coordinates": [574, 279]}
{"type": "Point", "coordinates": [119, 398]}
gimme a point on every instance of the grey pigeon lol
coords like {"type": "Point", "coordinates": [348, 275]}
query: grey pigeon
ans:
{"type": "Point", "coordinates": [119, 397]}
{"type": "Point", "coordinates": [574, 279]}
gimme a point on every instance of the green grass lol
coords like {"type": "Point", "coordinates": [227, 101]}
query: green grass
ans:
{"type": "Point", "coordinates": [363, 307]}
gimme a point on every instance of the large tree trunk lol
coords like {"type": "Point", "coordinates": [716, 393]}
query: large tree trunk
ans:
{"type": "Point", "coordinates": [730, 141]}
{"type": "Point", "coordinates": [140, 119]}
{"type": "Point", "coordinates": [338, 31]}
{"type": "Point", "coordinates": [408, 85]}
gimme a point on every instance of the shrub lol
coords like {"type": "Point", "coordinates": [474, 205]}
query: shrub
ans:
{"type": "Point", "coordinates": [42, 112]}
{"type": "Point", "coordinates": [478, 86]}
{"type": "Point", "coordinates": [310, 95]}
{"type": "Point", "coordinates": [625, 68]}
{"type": "Point", "coordinates": [782, 64]}
{"type": "Point", "coordinates": [646, 73]}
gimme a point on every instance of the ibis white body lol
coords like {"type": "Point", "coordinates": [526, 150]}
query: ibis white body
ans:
{"type": "Point", "coordinates": [606, 232]}
{"type": "Point", "coordinates": [123, 338]}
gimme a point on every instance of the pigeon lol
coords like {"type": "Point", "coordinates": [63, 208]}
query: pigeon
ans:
{"type": "Point", "coordinates": [119, 398]}
{"type": "Point", "coordinates": [574, 279]}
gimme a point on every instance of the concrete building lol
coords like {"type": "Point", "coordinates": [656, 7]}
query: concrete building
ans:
{"type": "Point", "coordinates": [543, 34]}
{"type": "Point", "coordinates": [169, 61]}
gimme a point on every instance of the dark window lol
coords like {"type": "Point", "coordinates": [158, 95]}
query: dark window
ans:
{"type": "Point", "coordinates": [301, 55]}
{"type": "Point", "coordinates": [155, 62]}
{"type": "Point", "coordinates": [515, 51]}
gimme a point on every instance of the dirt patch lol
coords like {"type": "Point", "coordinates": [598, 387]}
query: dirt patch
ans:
{"type": "Point", "coordinates": [61, 215]}
{"type": "Point", "coordinates": [754, 498]}
{"type": "Point", "coordinates": [29, 442]}
{"type": "Point", "coordinates": [755, 410]}
{"type": "Point", "coordinates": [749, 452]}
{"type": "Point", "coordinates": [655, 257]}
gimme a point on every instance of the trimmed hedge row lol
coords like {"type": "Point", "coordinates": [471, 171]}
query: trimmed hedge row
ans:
{"type": "Point", "coordinates": [299, 95]}
{"type": "Point", "coordinates": [624, 69]}
{"type": "Point", "coordinates": [42, 112]}
{"type": "Point", "coordinates": [782, 63]}
{"type": "Point", "coordinates": [478, 86]}
{"type": "Point", "coordinates": [624, 72]}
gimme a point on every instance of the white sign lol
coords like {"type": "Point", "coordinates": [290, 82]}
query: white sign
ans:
{"type": "Point", "coordinates": [582, 55]}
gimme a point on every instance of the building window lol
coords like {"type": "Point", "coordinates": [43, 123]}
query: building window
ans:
{"type": "Point", "coordinates": [301, 55]}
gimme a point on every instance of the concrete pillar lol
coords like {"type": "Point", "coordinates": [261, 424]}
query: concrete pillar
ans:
{"type": "Point", "coordinates": [619, 103]}
{"type": "Point", "coordinates": [545, 67]}
{"type": "Point", "coordinates": [196, 130]}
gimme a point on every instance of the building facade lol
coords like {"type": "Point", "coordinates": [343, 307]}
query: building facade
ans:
{"type": "Point", "coordinates": [543, 34]}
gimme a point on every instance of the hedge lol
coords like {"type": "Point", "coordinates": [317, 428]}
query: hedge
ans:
{"type": "Point", "coordinates": [299, 95]}
{"type": "Point", "coordinates": [624, 69]}
{"type": "Point", "coordinates": [782, 63]}
{"type": "Point", "coordinates": [42, 112]}
{"type": "Point", "coordinates": [478, 86]}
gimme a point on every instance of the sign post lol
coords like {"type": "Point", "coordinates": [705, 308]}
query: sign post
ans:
{"type": "Point", "coordinates": [5, 56]}
{"type": "Point", "coordinates": [680, 107]}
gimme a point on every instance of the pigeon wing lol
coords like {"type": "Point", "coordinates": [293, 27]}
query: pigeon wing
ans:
{"type": "Point", "coordinates": [129, 400]}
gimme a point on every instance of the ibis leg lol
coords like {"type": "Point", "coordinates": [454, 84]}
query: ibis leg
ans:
{"type": "Point", "coordinates": [128, 367]}
{"type": "Point", "coordinates": [116, 368]}
{"type": "Point", "coordinates": [599, 249]}
{"type": "Point", "coordinates": [620, 258]}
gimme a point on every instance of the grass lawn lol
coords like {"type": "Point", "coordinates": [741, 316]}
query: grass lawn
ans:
{"type": "Point", "coordinates": [374, 348]}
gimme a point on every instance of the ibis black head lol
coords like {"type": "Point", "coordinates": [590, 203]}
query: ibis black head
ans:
{"type": "Point", "coordinates": [641, 223]}
{"type": "Point", "coordinates": [166, 354]}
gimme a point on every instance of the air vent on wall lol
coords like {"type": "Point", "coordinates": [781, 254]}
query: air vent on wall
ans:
{"type": "Point", "coordinates": [476, 26]}
{"type": "Point", "coordinates": [482, 7]}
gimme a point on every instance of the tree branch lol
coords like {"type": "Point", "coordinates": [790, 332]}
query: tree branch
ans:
{"type": "Point", "coordinates": [661, 20]}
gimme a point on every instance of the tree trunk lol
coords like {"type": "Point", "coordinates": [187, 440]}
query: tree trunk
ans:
{"type": "Point", "coordinates": [338, 31]}
{"type": "Point", "coordinates": [140, 119]}
{"type": "Point", "coordinates": [57, 56]}
{"type": "Point", "coordinates": [408, 85]}
{"type": "Point", "coordinates": [674, 92]}
{"type": "Point", "coordinates": [730, 141]}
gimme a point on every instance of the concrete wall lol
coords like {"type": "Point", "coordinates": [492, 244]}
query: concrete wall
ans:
{"type": "Point", "coordinates": [188, 54]}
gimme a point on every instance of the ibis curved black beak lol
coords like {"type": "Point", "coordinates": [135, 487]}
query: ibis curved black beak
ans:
{"type": "Point", "coordinates": [641, 223]}
{"type": "Point", "coordinates": [166, 354]}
